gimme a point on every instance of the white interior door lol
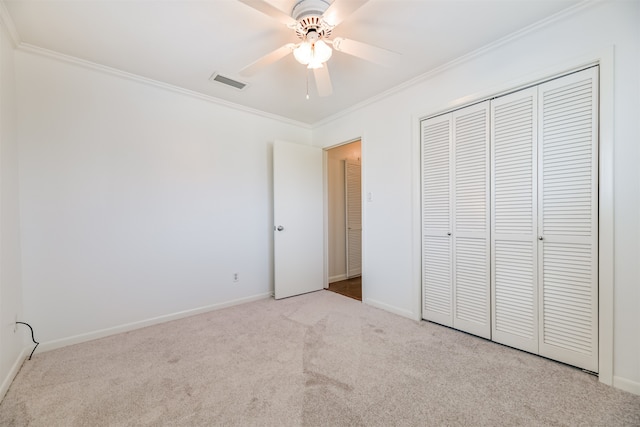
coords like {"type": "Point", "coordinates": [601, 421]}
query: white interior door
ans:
{"type": "Point", "coordinates": [513, 237]}
{"type": "Point", "coordinates": [298, 216]}
{"type": "Point", "coordinates": [353, 203]}
{"type": "Point", "coordinates": [470, 237]}
{"type": "Point", "coordinates": [568, 219]}
{"type": "Point", "coordinates": [437, 295]}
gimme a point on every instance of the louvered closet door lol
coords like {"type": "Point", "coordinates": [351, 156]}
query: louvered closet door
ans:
{"type": "Point", "coordinates": [436, 225]}
{"type": "Point", "coordinates": [513, 223]}
{"type": "Point", "coordinates": [353, 196]}
{"type": "Point", "coordinates": [567, 219]}
{"type": "Point", "coordinates": [470, 237]}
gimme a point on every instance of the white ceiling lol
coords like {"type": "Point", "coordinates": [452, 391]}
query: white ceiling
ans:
{"type": "Point", "coordinates": [182, 42]}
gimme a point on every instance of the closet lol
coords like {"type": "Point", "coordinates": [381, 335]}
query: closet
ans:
{"type": "Point", "coordinates": [510, 219]}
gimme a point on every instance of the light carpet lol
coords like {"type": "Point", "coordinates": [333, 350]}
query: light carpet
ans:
{"type": "Point", "coordinates": [317, 359]}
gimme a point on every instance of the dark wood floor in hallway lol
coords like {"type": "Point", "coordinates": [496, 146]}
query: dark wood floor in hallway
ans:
{"type": "Point", "coordinates": [351, 287]}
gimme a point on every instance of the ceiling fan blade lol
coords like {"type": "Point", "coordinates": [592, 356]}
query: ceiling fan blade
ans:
{"type": "Point", "coordinates": [268, 9]}
{"type": "Point", "coordinates": [267, 60]}
{"type": "Point", "coordinates": [340, 9]}
{"type": "Point", "coordinates": [366, 51]}
{"type": "Point", "coordinates": [323, 80]}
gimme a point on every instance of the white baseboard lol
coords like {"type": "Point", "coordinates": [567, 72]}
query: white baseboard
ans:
{"type": "Point", "coordinates": [77, 339]}
{"type": "Point", "coordinates": [337, 278]}
{"type": "Point", "coordinates": [6, 383]}
{"type": "Point", "coordinates": [395, 310]}
{"type": "Point", "coordinates": [626, 385]}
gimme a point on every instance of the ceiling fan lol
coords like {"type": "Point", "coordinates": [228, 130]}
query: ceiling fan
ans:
{"type": "Point", "coordinates": [313, 21]}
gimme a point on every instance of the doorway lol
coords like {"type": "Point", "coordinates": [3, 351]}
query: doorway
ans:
{"type": "Point", "coordinates": [344, 206]}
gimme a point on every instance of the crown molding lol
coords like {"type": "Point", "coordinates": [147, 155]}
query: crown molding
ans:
{"type": "Point", "coordinates": [7, 23]}
{"type": "Point", "coordinates": [572, 10]}
{"type": "Point", "coordinates": [40, 51]}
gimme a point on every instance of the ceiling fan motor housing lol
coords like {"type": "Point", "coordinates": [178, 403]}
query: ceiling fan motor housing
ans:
{"type": "Point", "coordinates": [305, 8]}
{"type": "Point", "coordinates": [308, 13]}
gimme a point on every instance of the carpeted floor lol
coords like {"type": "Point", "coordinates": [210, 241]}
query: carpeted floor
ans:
{"type": "Point", "coordinates": [316, 359]}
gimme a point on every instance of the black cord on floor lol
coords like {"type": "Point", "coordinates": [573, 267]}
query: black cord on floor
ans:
{"type": "Point", "coordinates": [33, 338]}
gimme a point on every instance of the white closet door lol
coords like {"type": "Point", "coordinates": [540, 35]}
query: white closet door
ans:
{"type": "Point", "coordinates": [513, 237]}
{"type": "Point", "coordinates": [470, 237]}
{"type": "Point", "coordinates": [353, 202]}
{"type": "Point", "coordinates": [568, 219]}
{"type": "Point", "coordinates": [436, 220]}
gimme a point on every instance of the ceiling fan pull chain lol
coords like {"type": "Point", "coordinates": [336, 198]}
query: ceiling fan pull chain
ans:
{"type": "Point", "coordinates": [307, 74]}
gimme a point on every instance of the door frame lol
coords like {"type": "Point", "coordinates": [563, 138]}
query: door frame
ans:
{"type": "Point", "coordinates": [603, 57]}
{"type": "Point", "coordinates": [325, 166]}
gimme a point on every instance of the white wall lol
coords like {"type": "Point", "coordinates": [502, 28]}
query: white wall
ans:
{"type": "Point", "coordinates": [136, 201]}
{"type": "Point", "coordinates": [336, 206]}
{"type": "Point", "coordinates": [12, 343]}
{"type": "Point", "coordinates": [390, 147]}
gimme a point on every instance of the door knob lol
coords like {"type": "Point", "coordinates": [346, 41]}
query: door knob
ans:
{"type": "Point", "coordinates": [540, 238]}
{"type": "Point", "coordinates": [449, 234]}
{"type": "Point", "coordinates": [280, 228]}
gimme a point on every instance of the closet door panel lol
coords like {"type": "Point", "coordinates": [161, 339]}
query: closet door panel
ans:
{"type": "Point", "coordinates": [515, 318]}
{"type": "Point", "coordinates": [567, 219]}
{"type": "Point", "coordinates": [353, 202]}
{"type": "Point", "coordinates": [472, 308]}
{"type": "Point", "coordinates": [471, 246]}
{"type": "Point", "coordinates": [437, 292]}
{"type": "Point", "coordinates": [513, 222]}
{"type": "Point", "coordinates": [436, 280]}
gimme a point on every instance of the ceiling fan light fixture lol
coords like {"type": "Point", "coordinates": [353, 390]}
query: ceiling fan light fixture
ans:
{"type": "Point", "coordinates": [321, 51]}
{"type": "Point", "coordinates": [303, 53]}
{"type": "Point", "coordinates": [313, 55]}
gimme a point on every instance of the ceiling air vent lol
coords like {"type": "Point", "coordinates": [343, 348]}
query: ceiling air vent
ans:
{"type": "Point", "coordinates": [227, 81]}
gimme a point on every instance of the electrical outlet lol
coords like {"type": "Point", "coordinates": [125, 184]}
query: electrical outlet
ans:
{"type": "Point", "coordinates": [236, 277]}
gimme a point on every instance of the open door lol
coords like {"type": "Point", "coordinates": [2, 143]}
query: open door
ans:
{"type": "Point", "coordinates": [299, 221]}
